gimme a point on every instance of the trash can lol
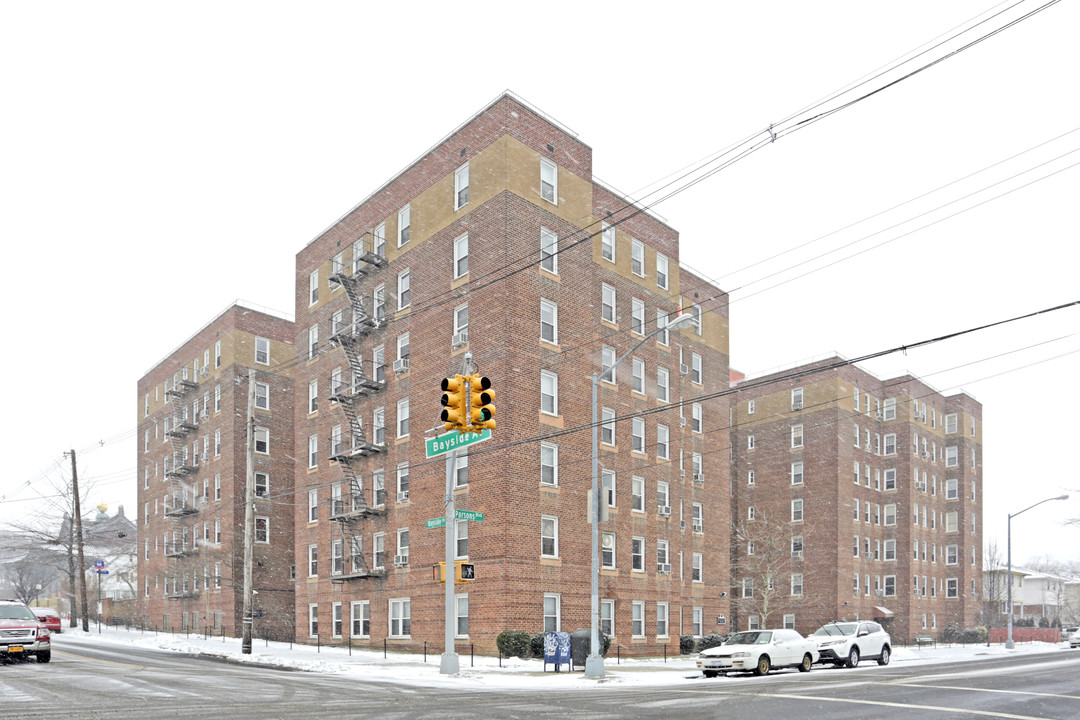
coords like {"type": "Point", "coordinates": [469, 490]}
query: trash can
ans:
{"type": "Point", "coordinates": [580, 645]}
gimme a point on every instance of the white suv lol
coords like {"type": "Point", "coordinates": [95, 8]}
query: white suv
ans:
{"type": "Point", "coordinates": [845, 643]}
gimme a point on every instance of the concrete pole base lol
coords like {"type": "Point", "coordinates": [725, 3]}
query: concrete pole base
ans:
{"type": "Point", "coordinates": [594, 666]}
{"type": "Point", "coordinates": [1009, 645]}
{"type": "Point", "coordinates": [448, 663]}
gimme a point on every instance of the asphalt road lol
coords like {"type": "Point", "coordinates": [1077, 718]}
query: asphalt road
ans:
{"type": "Point", "coordinates": [88, 682]}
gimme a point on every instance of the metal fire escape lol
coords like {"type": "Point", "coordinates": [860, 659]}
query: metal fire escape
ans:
{"type": "Point", "coordinates": [183, 466]}
{"type": "Point", "coordinates": [353, 504]}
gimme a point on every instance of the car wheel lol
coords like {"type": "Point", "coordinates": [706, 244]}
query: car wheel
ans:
{"type": "Point", "coordinates": [44, 656]}
{"type": "Point", "coordinates": [853, 658]}
{"type": "Point", "coordinates": [710, 673]}
{"type": "Point", "coordinates": [763, 666]}
{"type": "Point", "coordinates": [807, 663]}
{"type": "Point", "coordinates": [886, 653]}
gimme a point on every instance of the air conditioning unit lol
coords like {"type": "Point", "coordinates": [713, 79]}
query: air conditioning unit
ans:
{"type": "Point", "coordinates": [921, 416]}
{"type": "Point", "coordinates": [926, 454]}
{"type": "Point", "coordinates": [796, 554]}
{"type": "Point", "coordinates": [698, 477]}
{"type": "Point", "coordinates": [683, 369]}
{"type": "Point", "coordinates": [696, 527]}
{"type": "Point", "coordinates": [682, 473]}
{"type": "Point", "coordinates": [203, 457]}
{"type": "Point", "coordinates": [682, 421]}
{"type": "Point", "coordinates": [663, 568]}
{"type": "Point", "coordinates": [878, 416]}
{"type": "Point", "coordinates": [682, 524]}
{"type": "Point", "coordinates": [402, 496]}
{"type": "Point", "coordinates": [459, 340]}
{"type": "Point", "coordinates": [401, 560]}
{"type": "Point", "coordinates": [204, 371]}
{"type": "Point", "coordinates": [401, 365]}
{"type": "Point", "coordinates": [797, 405]}
{"type": "Point", "coordinates": [203, 414]}
{"type": "Point", "coordinates": [663, 510]}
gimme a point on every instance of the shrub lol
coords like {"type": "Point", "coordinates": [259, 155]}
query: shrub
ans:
{"type": "Point", "coordinates": [686, 644]}
{"type": "Point", "coordinates": [536, 645]}
{"type": "Point", "coordinates": [710, 641]}
{"type": "Point", "coordinates": [513, 643]}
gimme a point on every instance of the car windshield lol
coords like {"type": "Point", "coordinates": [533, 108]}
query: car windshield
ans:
{"type": "Point", "coordinates": [836, 629]}
{"type": "Point", "coordinates": [16, 612]}
{"type": "Point", "coordinates": [753, 637]}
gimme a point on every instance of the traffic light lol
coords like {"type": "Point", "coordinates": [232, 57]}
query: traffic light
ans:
{"type": "Point", "coordinates": [455, 405]}
{"type": "Point", "coordinates": [482, 412]}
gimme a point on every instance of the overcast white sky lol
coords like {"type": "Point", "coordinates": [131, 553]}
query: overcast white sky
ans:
{"type": "Point", "coordinates": [160, 160]}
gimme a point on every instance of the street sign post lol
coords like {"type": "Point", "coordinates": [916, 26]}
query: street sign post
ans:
{"type": "Point", "coordinates": [446, 442]}
{"type": "Point", "coordinates": [439, 522]}
{"type": "Point", "coordinates": [99, 563]}
{"type": "Point", "coordinates": [436, 523]}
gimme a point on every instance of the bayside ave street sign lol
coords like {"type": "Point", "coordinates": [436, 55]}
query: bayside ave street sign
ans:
{"type": "Point", "coordinates": [452, 440]}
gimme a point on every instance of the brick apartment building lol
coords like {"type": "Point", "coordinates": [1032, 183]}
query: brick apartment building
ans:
{"type": "Point", "coordinates": [498, 241]}
{"type": "Point", "coordinates": [855, 497]}
{"type": "Point", "coordinates": [192, 466]}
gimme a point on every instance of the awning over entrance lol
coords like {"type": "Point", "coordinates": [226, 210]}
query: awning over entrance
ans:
{"type": "Point", "coordinates": [882, 612]}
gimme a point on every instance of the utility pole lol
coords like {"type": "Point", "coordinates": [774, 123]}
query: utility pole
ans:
{"type": "Point", "coordinates": [79, 543]}
{"type": "Point", "coordinates": [249, 514]}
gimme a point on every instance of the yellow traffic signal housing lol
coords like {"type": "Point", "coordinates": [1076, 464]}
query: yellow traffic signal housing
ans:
{"type": "Point", "coordinates": [482, 411]}
{"type": "Point", "coordinates": [455, 406]}
{"type": "Point", "coordinates": [463, 572]}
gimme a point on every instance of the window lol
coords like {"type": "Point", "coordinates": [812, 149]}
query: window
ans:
{"type": "Point", "coordinates": [549, 536]}
{"type": "Point", "coordinates": [400, 620]}
{"type": "Point", "coordinates": [378, 426]}
{"type": "Point", "coordinates": [461, 539]}
{"type": "Point", "coordinates": [607, 550]}
{"type": "Point", "coordinates": [637, 494]}
{"type": "Point", "coordinates": [797, 436]}
{"type": "Point", "coordinates": [607, 364]}
{"type": "Point", "coordinates": [637, 554]}
{"type": "Point", "coordinates": [889, 409]}
{"type": "Point", "coordinates": [607, 303]}
{"type": "Point", "coordinates": [549, 181]}
{"type": "Point", "coordinates": [217, 356]}
{"type": "Point", "coordinates": [313, 288]}
{"type": "Point", "coordinates": [951, 522]}
{"type": "Point", "coordinates": [403, 418]}
{"type": "Point", "coordinates": [663, 337]}
{"type": "Point", "coordinates": [403, 348]}
{"type": "Point", "coordinates": [403, 222]}
{"type": "Point", "coordinates": [461, 186]}
{"type": "Point", "coordinates": [607, 427]}
{"type": "Point", "coordinates": [663, 498]}
{"type": "Point", "coordinates": [261, 352]}
{"type": "Point", "coordinates": [217, 442]}
{"type": "Point", "coordinates": [337, 266]}
{"type": "Point", "coordinates": [262, 529]}
{"type": "Point", "coordinates": [890, 478]}
{"type": "Point", "coordinates": [607, 241]}
{"type": "Point", "coordinates": [662, 271]}
{"type": "Point", "coordinates": [262, 485]}
{"type": "Point", "coordinates": [313, 560]}
{"type": "Point", "coordinates": [695, 417]}
{"type": "Point", "coordinates": [607, 477]}
{"type": "Point", "coordinates": [890, 444]}
{"type": "Point", "coordinates": [549, 249]}
{"type": "Point", "coordinates": [313, 451]}
{"type": "Point", "coordinates": [461, 471]}
{"type": "Point", "coordinates": [549, 393]}
{"type": "Point", "coordinates": [262, 440]}
{"type": "Point", "coordinates": [549, 464]}
{"type": "Point", "coordinates": [663, 383]}
{"type": "Point", "coordinates": [797, 510]}
{"type": "Point", "coordinates": [403, 290]}
{"type": "Point", "coordinates": [796, 473]}
{"type": "Point", "coordinates": [696, 515]}
{"type": "Point", "coordinates": [952, 456]}
{"type": "Point", "coordinates": [313, 396]}
{"type": "Point", "coordinates": [695, 567]}
{"type": "Point", "coordinates": [402, 482]}
{"type": "Point", "coordinates": [461, 614]}
{"type": "Point", "coordinates": [637, 316]}
{"type": "Point", "coordinates": [952, 489]}
{"type": "Point", "coordinates": [661, 619]}
{"type": "Point", "coordinates": [637, 437]}
{"type": "Point", "coordinates": [890, 514]}
{"type": "Point", "coordinates": [313, 620]}
{"type": "Point", "coordinates": [549, 322]}
{"type": "Point", "coordinates": [797, 399]}
{"type": "Point", "coordinates": [952, 588]}
{"type": "Point", "coordinates": [361, 618]}
{"type": "Point", "coordinates": [695, 368]}
{"type": "Point", "coordinates": [461, 323]}
{"type": "Point", "coordinates": [952, 554]}
{"type": "Point", "coordinates": [637, 619]}
{"type": "Point", "coordinates": [637, 257]}
{"type": "Point", "coordinates": [313, 341]}
{"type": "Point", "coordinates": [378, 302]}
{"type": "Point", "coordinates": [750, 442]}
{"type": "Point", "coordinates": [695, 312]}
{"type": "Point", "coordinates": [662, 444]}
{"type": "Point", "coordinates": [378, 550]}
{"type": "Point", "coordinates": [552, 612]}
{"type": "Point", "coordinates": [890, 550]}
{"type": "Point", "coordinates": [607, 617]}
{"type": "Point", "coordinates": [461, 256]}
{"type": "Point", "coordinates": [663, 564]}
{"type": "Point", "coordinates": [796, 583]}
{"type": "Point", "coordinates": [748, 587]}
{"type": "Point", "coordinates": [890, 586]}
{"type": "Point", "coordinates": [313, 504]}
{"type": "Point", "coordinates": [637, 375]}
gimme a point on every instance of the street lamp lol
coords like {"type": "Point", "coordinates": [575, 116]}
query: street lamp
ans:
{"type": "Point", "coordinates": [1009, 645]}
{"type": "Point", "coordinates": [594, 663]}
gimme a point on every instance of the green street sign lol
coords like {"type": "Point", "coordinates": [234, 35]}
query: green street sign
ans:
{"type": "Point", "coordinates": [436, 523]}
{"type": "Point", "coordinates": [452, 440]}
{"type": "Point", "coordinates": [468, 515]}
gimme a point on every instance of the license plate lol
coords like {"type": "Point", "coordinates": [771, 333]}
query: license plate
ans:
{"type": "Point", "coordinates": [15, 648]}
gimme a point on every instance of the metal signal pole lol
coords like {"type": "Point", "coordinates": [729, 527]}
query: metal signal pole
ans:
{"type": "Point", "coordinates": [249, 514]}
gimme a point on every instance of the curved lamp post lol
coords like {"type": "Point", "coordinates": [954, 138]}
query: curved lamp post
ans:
{"type": "Point", "coordinates": [594, 663]}
{"type": "Point", "coordinates": [1008, 554]}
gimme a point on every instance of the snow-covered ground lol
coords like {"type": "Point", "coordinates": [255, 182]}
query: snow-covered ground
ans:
{"type": "Point", "coordinates": [483, 671]}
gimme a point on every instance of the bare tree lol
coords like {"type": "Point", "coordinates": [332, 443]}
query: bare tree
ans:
{"type": "Point", "coordinates": [995, 588]}
{"type": "Point", "coordinates": [30, 574]}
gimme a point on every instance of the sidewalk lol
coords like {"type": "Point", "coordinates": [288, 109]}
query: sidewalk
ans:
{"type": "Point", "coordinates": [480, 671]}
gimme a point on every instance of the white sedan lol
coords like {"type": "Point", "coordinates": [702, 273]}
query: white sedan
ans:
{"type": "Point", "coordinates": [759, 651]}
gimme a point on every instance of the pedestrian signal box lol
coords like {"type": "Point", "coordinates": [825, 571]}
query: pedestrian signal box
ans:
{"type": "Point", "coordinates": [463, 572]}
